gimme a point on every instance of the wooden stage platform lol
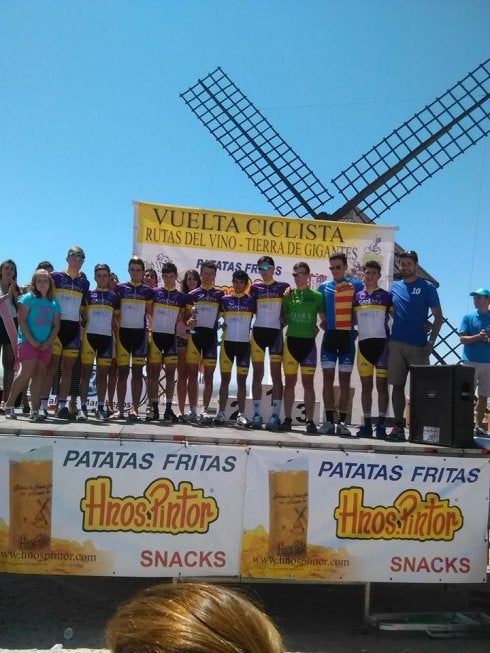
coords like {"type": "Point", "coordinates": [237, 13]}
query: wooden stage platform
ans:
{"type": "Point", "coordinates": [229, 435]}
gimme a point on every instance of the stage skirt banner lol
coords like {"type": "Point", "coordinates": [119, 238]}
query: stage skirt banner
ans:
{"type": "Point", "coordinates": [120, 508]}
{"type": "Point", "coordinates": [188, 236]}
{"type": "Point", "coordinates": [355, 516]}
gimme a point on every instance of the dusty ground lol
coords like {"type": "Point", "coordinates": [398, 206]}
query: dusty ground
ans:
{"type": "Point", "coordinates": [36, 611]}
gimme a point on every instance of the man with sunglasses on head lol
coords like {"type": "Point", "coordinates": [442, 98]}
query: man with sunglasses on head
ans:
{"type": "Point", "coordinates": [267, 334]}
{"type": "Point", "coordinates": [411, 343]}
{"type": "Point", "coordinates": [70, 290]}
{"type": "Point", "coordinates": [338, 344]}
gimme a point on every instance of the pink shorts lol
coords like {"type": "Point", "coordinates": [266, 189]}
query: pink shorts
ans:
{"type": "Point", "coordinates": [26, 352]}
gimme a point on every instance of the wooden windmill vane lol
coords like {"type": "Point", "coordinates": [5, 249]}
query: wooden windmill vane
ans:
{"type": "Point", "coordinates": [372, 184]}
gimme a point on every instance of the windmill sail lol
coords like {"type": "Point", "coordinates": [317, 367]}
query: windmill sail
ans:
{"type": "Point", "coordinates": [419, 148]}
{"type": "Point", "coordinates": [253, 143]}
{"type": "Point", "coordinates": [402, 161]}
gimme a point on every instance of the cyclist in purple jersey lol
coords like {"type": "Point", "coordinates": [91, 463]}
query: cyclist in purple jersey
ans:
{"type": "Point", "coordinates": [111, 380]}
{"type": "Point", "coordinates": [97, 340]}
{"type": "Point", "coordinates": [372, 307]}
{"type": "Point", "coordinates": [71, 287]}
{"type": "Point", "coordinates": [237, 310]}
{"type": "Point", "coordinates": [201, 317]}
{"type": "Point", "coordinates": [191, 281]}
{"type": "Point", "coordinates": [168, 309]}
{"type": "Point", "coordinates": [267, 334]}
{"type": "Point", "coordinates": [136, 304]}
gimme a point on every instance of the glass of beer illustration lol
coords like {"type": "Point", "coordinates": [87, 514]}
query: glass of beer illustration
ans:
{"type": "Point", "coordinates": [288, 508]}
{"type": "Point", "coordinates": [31, 482]}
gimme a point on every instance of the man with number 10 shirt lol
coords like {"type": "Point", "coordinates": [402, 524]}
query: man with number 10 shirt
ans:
{"type": "Point", "coordinates": [411, 341]}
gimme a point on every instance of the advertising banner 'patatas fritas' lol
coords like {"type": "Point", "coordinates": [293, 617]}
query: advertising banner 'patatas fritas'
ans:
{"type": "Point", "coordinates": [134, 508]}
{"type": "Point", "coordinates": [364, 516]}
{"type": "Point", "coordinates": [120, 508]}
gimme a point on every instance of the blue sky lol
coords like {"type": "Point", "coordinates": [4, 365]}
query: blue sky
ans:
{"type": "Point", "coordinates": [91, 119]}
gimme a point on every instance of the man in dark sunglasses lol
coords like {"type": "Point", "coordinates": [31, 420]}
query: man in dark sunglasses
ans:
{"type": "Point", "coordinates": [267, 334]}
{"type": "Point", "coordinates": [338, 346]}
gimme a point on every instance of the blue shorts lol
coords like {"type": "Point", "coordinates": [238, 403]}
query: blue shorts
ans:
{"type": "Point", "coordinates": [338, 345]}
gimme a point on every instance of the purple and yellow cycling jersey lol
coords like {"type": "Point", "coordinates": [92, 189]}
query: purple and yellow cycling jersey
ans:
{"type": "Point", "coordinates": [101, 305]}
{"type": "Point", "coordinates": [269, 301]}
{"type": "Point", "coordinates": [133, 302]}
{"type": "Point", "coordinates": [205, 302]}
{"type": "Point", "coordinates": [70, 293]}
{"type": "Point", "coordinates": [372, 311]}
{"type": "Point", "coordinates": [166, 308]}
{"type": "Point", "coordinates": [237, 311]}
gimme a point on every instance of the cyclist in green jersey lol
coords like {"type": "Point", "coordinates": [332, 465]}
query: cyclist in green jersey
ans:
{"type": "Point", "coordinates": [301, 308]}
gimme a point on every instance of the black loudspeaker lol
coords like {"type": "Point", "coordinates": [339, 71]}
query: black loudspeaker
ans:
{"type": "Point", "coordinates": [441, 405]}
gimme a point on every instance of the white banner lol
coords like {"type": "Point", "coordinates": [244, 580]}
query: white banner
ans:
{"type": "Point", "coordinates": [98, 507]}
{"type": "Point", "coordinates": [358, 516]}
{"type": "Point", "coordinates": [107, 508]}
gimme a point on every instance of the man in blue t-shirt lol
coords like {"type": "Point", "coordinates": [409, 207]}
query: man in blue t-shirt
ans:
{"type": "Point", "coordinates": [411, 340]}
{"type": "Point", "coordinates": [474, 335]}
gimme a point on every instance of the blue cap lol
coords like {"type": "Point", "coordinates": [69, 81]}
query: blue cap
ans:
{"type": "Point", "coordinates": [483, 292]}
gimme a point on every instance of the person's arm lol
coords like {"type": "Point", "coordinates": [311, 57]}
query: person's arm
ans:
{"type": "Point", "coordinates": [284, 315]}
{"type": "Point", "coordinates": [436, 325]}
{"type": "Point", "coordinates": [14, 291]}
{"type": "Point", "coordinates": [23, 312]}
{"type": "Point", "coordinates": [323, 322]}
{"type": "Point", "coordinates": [149, 314]}
{"type": "Point", "coordinates": [83, 315]}
{"type": "Point", "coordinates": [482, 336]}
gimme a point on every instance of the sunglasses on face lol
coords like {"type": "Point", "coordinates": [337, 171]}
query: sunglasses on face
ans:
{"type": "Point", "coordinates": [300, 274]}
{"type": "Point", "coordinates": [264, 268]}
{"type": "Point", "coordinates": [77, 255]}
{"type": "Point", "coordinates": [335, 267]}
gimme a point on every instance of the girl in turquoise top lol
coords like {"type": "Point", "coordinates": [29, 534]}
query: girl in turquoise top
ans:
{"type": "Point", "coordinates": [39, 323]}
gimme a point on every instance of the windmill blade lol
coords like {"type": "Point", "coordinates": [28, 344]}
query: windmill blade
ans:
{"type": "Point", "coordinates": [249, 138]}
{"type": "Point", "coordinates": [419, 148]}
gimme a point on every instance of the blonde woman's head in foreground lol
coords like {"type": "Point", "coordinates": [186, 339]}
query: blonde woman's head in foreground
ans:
{"type": "Point", "coordinates": [191, 618]}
